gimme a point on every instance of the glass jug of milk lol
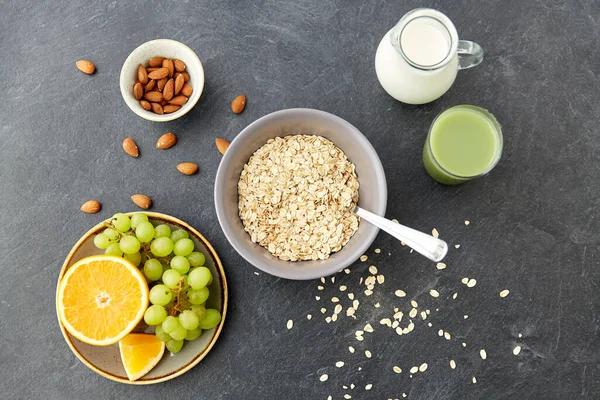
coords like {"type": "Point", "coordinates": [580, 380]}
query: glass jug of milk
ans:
{"type": "Point", "coordinates": [418, 59]}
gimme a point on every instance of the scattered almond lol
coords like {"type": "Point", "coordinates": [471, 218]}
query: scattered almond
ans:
{"type": "Point", "coordinates": [179, 82]}
{"type": "Point", "coordinates": [145, 105]}
{"type": "Point", "coordinates": [186, 90]}
{"type": "Point", "coordinates": [142, 201]}
{"type": "Point", "coordinates": [166, 141]}
{"type": "Point", "coordinates": [238, 104]}
{"type": "Point", "coordinates": [138, 91]}
{"type": "Point", "coordinates": [179, 65]}
{"type": "Point", "coordinates": [157, 108]}
{"type": "Point", "coordinates": [168, 64]}
{"type": "Point", "coordinates": [169, 89]}
{"type": "Point", "coordinates": [153, 97]}
{"type": "Point", "coordinates": [156, 61]}
{"type": "Point", "coordinates": [178, 100]}
{"type": "Point", "coordinates": [91, 207]}
{"type": "Point", "coordinates": [142, 75]}
{"type": "Point", "coordinates": [130, 147]}
{"type": "Point", "coordinates": [85, 66]}
{"type": "Point", "coordinates": [159, 73]}
{"type": "Point", "coordinates": [187, 168]}
{"type": "Point", "coordinates": [170, 108]}
{"type": "Point", "coordinates": [222, 145]}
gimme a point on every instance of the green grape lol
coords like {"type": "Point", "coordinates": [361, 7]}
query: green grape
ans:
{"type": "Point", "coordinates": [170, 324]}
{"type": "Point", "coordinates": [153, 269]}
{"type": "Point", "coordinates": [210, 280]}
{"type": "Point", "coordinates": [135, 258]}
{"type": "Point", "coordinates": [137, 218]}
{"type": "Point", "coordinates": [162, 246]}
{"type": "Point", "coordinates": [199, 277]}
{"type": "Point", "coordinates": [155, 315]}
{"type": "Point", "coordinates": [114, 250]}
{"type": "Point", "coordinates": [193, 334]}
{"type": "Point", "coordinates": [174, 346]}
{"type": "Point", "coordinates": [183, 247]}
{"type": "Point", "coordinates": [179, 333]}
{"type": "Point", "coordinates": [161, 295]}
{"type": "Point", "coordinates": [121, 222]}
{"type": "Point", "coordinates": [178, 234]}
{"type": "Point", "coordinates": [198, 296]}
{"type": "Point", "coordinates": [180, 264]}
{"type": "Point", "coordinates": [171, 278]}
{"type": "Point", "coordinates": [111, 234]}
{"type": "Point", "coordinates": [189, 320]}
{"type": "Point", "coordinates": [211, 319]}
{"type": "Point", "coordinates": [144, 231]}
{"type": "Point", "coordinates": [162, 231]}
{"type": "Point", "coordinates": [196, 259]}
{"type": "Point", "coordinates": [101, 241]}
{"type": "Point", "coordinates": [198, 310]}
{"type": "Point", "coordinates": [161, 334]}
{"type": "Point", "coordinates": [129, 244]}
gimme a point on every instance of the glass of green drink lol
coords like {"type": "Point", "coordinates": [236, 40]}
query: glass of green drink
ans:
{"type": "Point", "coordinates": [464, 142]}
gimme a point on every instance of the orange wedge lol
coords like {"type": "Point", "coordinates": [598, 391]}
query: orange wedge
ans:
{"type": "Point", "coordinates": [140, 353]}
{"type": "Point", "coordinates": [101, 299]}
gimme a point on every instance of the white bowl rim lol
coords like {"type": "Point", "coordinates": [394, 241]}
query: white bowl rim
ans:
{"type": "Point", "coordinates": [137, 109]}
{"type": "Point", "coordinates": [244, 251]}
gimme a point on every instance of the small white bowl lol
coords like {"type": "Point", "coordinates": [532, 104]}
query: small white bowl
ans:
{"type": "Point", "coordinates": [161, 48]}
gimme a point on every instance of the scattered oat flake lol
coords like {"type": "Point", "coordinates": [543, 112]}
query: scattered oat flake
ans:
{"type": "Point", "coordinates": [368, 328]}
{"type": "Point", "coordinates": [504, 293]}
{"type": "Point", "coordinates": [368, 292]}
{"type": "Point", "coordinates": [345, 387]}
{"type": "Point", "coordinates": [386, 321]}
{"type": "Point", "coordinates": [339, 364]}
{"type": "Point", "coordinates": [434, 293]}
{"type": "Point", "coordinates": [351, 349]}
{"type": "Point", "coordinates": [454, 296]}
{"type": "Point", "coordinates": [520, 335]}
{"type": "Point", "coordinates": [464, 344]}
{"type": "Point", "coordinates": [369, 386]}
{"type": "Point", "coordinates": [351, 296]}
{"type": "Point", "coordinates": [413, 313]}
{"type": "Point", "coordinates": [394, 220]}
{"type": "Point", "coordinates": [467, 222]}
{"type": "Point", "coordinates": [423, 315]}
{"type": "Point", "coordinates": [347, 396]}
{"type": "Point", "coordinates": [364, 257]}
{"type": "Point", "coordinates": [360, 368]}
{"type": "Point", "coordinates": [329, 398]}
{"type": "Point", "coordinates": [397, 369]}
{"type": "Point", "coordinates": [465, 280]}
{"type": "Point", "coordinates": [517, 350]}
{"type": "Point", "coordinates": [377, 305]}
{"type": "Point", "coordinates": [447, 335]}
{"type": "Point", "coordinates": [335, 300]}
{"type": "Point", "coordinates": [404, 394]}
{"type": "Point", "coordinates": [377, 251]}
{"type": "Point", "coordinates": [333, 279]}
{"type": "Point", "coordinates": [472, 282]}
{"type": "Point", "coordinates": [452, 364]}
{"type": "Point", "coordinates": [361, 281]}
{"type": "Point", "coordinates": [355, 304]}
{"type": "Point", "coordinates": [290, 324]}
{"type": "Point", "coordinates": [483, 354]}
{"type": "Point", "coordinates": [414, 370]}
{"type": "Point", "coordinates": [343, 288]}
{"type": "Point", "coordinates": [368, 353]}
{"type": "Point", "coordinates": [398, 315]}
{"type": "Point", "coordinates": [373, 270]}
{"type": "Point", "coordinates": [337, 309]}
{"type": "Point", "coordinates": [322, 279]}
{"type": "Point", "coordinates": [347, 271]}
{"type": "Point", "coordinates": [395, 324]}
{"type": "Point", "coordinates": [414, 304]}
{"type": "Point", "coordinates": [440, 265]}
{"type": "Point", "coordinates": [317, 298]}
{"type": "Point", "coordinates": [328, 319]}
{"type": "Point", "coordinates": [323, 377]}
{"type": "Point", "coordinates": [435, 233]}
{"type": "Point", "coordinates": [352, 386]}
{"type": "Point", "coordinates": [429, 324]}
{"type": "Point", "coordinates": [256, 273]}
{"type": "Point", "coordinates": [320, 287]}
{"type": "Point", "coordinates": [441, 332]}
{"type": "Point", "coordinates": [380, 279]}
{"type": "Point", "coordinates": [423, 367]}
{"type": "Point", "coordinates": [465, 316]}
{"type": "Point", "coordinates": [474, 380]}
{"type": "Point", "coordinates": [457, 246]}
{"type": "Point", "coordinates": [323, 310]}
{"type": "Point", "coordinates": [309, 317]}
{"type": "Point", "coordinates": [399, 331]}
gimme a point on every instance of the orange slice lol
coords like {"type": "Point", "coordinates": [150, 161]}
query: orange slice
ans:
{"type": "Point", "coordinates": [101, 299]}
{"type": "Point", "coordinates": [140, 353]}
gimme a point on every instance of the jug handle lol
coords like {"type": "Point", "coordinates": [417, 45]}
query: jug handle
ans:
{"type": "Point", "coordinates": [470, 54]}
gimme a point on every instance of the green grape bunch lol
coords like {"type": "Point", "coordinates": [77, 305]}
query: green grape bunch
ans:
{"type": "Point", "coordinates": [175, 271]}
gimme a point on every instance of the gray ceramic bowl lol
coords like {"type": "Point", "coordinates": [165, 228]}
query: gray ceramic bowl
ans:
{"type": "Point", "coordinates": [372, 192]}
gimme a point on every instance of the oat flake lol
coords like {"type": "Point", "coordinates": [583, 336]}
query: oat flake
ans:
{"type": "Point", "coordinates": [435, 233]}
{"type": "Point", "coordinates": [373, 270]}
{"type": "Point", "coordinates": [343, 288]}
{"type": "Point", "coordinates": [467, 222]}
{"type": "Point", "coordinates": [423, 367]}
{"type": "Point", "coordinates": [335, 300]}
{"type": "Point", "coordinates": [414, 370]}
{"type": "Point", "coordinates": [351, 349]}
{"type": "Point", "coordinates": [504, 293]}
{"type": "Point", "coordinates": [452, 364]}
{"type": "Point", "coordinates": [434, 293]}
{"type": "Point", "coordinates": [368, 328]}
{"type": "Point", "coordinates": [447, 335]}
{"type": "Point", "coordinates": [339, 364]}
{"type": "Point", "coordinates": [368, 353]}
{"type": "Point", "coordinates": [483, 354]}
{"type": "Point", "coordinates": [517, 350]}
{"type": "Point", "coordinates": [317, 298]}
{"type": "Point", "coordinates": [369, 386]}
{"type": "Point", "coordinates": [323, 377]}
{"type": "Point", "coordinates": [364, 258]}
{"type": "Point", "coordinates": [377, 251]}
{"type": "Point", "coordinates": [474, 380]}
{"type": "Point", "coordinates": [290, 324]}
{"type": "Point", "coordinates": [397, 369]}
{"type": "Point", "coordinates": [472, 282]}
{"type": "Point", "coordinates": [400, 293]}
{"type": "Point", "coordinates": [309, 317]}
{"type": "Point", "coordinates": [440, 266]}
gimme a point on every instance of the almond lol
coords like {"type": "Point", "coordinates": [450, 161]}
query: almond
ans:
{"type": "Point", "coordinates": [179, 100]}
{"type": "Point", "coordinates": [142, 201]}
{"type": "Point", "coordinates": [169, 89]}
{"type": "Point", "coordinates": [150, 85]}
{"type": "Point", "coordinates": [145, 105]}
{"type": "Point", "coordinates": [163, 103]}
{"type": "Point", "coordinates": [166, 141]}
{"type": "Point", "coordinates": [170, 108]}
{"type": "Point", "coordinates": [157, 108]}
{"type": "Point", "coordinates": [138, 91]}
{"type": "Point", "coordinates": [179, 65]}
{"type": "Point", "coordinates": [142, 75]}
{"type": "Point", "coordinates": [159, 73]}
{"type": "Point", "coordinates": [187, 168]}
{"type": "Point", "coordinates": [85, 66]}
{"type": "Point", "coordinates": [161, 83]}
{"type": "Point", "coordinates": [186, 90]}
{"type": "Point", "coordinates": [91, 206]}
{"type": "Point", "coordinates": [222, 145]}
{"type": "Point", "coordinates": [155, 62]}
{"type": "Point", "coordinates": [238, 104]}
{"type": "Point", "coordinates": [130, 147]}
{"type": "Point", "coordinates": [153, 97]}
{"type": "Point", "coordinates": [168, 64]}
{"type": "Point", "coordinates": [186, 76]}
{"type": "Point", "coordinates": [148, 70]}
{"type": "Point", "coordinates": [179, 82]}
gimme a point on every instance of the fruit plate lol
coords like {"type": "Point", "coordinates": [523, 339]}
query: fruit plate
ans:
{"type": "Point", "coordinates": [106, 361]}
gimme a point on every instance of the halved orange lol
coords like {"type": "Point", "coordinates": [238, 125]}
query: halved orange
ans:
{"type": "Point", "coordinates": [101, 299]}
{"type": "Point", "coordinates": [140, 353]}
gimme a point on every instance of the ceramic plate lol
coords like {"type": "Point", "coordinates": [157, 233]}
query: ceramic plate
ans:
{"type": "Point", "coordinates": [106, 361]}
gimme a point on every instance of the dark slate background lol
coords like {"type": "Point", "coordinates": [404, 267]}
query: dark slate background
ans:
{"type": "Point", "coordinates": [533, 230]}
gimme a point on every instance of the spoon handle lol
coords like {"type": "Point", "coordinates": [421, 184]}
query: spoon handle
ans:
{"type": "Point", "coordinates": [432, 248]}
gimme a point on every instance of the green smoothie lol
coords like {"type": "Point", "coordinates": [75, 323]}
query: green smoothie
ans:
{"type": "Point", "coordinates": [464, 142]}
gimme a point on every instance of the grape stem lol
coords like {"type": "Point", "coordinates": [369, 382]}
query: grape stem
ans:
{"type": "Point", "coordinates": [178, 302]}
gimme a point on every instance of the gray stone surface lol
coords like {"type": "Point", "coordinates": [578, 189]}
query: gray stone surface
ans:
{"type": "Point", "coordinates": [533, 230]}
